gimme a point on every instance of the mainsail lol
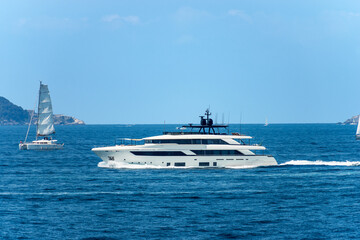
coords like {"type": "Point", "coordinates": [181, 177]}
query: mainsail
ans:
{"type": "Point", "coordinates": [45, 124]}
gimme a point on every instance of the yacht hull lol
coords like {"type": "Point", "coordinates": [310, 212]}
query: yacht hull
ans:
{"type": "Point", "coordinates": [34, 146]}
{"type": "Point", "coordinates": [126, 158]}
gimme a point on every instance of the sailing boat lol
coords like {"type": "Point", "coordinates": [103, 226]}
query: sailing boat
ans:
{"type": "Point", "coordinates": [266, 122]}
{"type": "Point", "coordinates": [358, 129]}
{"type": "Point", "coordinates": [45, 125]}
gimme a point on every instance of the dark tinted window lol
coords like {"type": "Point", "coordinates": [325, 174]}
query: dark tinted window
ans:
{"type": "Point", "coordinates": [217, 152]}
{"type": "Point", "coordinates": [179, 164]}
{"type": "Point", "coordinates": [187, 141]}
{"type": "Point", "coordinates": [204, 164]}
{"type": "Point", "coordinates": [158, 153]}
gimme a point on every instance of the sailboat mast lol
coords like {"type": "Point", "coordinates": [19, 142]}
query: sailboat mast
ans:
{"type": "Point", "coordinates": [37, 123]}
{"type": "Point", "coordinates": [32, 115]}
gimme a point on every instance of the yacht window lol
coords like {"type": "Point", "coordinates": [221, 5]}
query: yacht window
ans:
{"type": "Point", "coordinates": [179, 164]}
{"type": "Point", "coordinates": [187, 141]}
{"type": "Point", "coordinates": [204, 164]}
{"type": "Point", "coordinates": [158, 153]}
{"type": "Point", "coordinates": [217, 152]}
{"type": "Point", "coordinates": [213, 141]}
{"type": "Point", "coordinates": [241, 141]}
{"type": "Point", "coordinates": [214, 164]}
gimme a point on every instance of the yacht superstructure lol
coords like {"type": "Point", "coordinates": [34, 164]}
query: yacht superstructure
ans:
{"type": "Point", "coordinates": [206, 147]}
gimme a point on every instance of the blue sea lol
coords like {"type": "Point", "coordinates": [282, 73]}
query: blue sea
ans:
{"type": "Point", "coordinates": [314, 192]}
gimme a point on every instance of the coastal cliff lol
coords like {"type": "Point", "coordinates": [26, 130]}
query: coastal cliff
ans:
{"type": "Point", "coordinates": [352, 121]}
{"type": "Point", "coordinates": [11, 114]}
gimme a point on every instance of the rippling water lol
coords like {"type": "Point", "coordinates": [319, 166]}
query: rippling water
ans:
{"type": "Point", "coordinates": [313, 193]}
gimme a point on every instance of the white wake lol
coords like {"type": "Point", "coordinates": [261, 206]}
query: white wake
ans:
{"type": "Point", "coordinates": [320, 162]}
{"type": "Point", "coordinates": [119, 165]}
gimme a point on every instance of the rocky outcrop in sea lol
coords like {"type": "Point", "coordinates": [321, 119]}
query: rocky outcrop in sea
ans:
{"type": "Point", "coordinates": [351, 121]}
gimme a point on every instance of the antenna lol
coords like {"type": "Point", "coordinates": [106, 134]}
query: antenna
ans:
{"type": "Point", "coordinates": [228, 123]}
{"type": "Point", "coordinates": [222, 122]}
{"type": "Point", "coordinates": [207, 113]}
{"type": "Point", "coordinates": [216, 115]}
{"type": "Point", "coordinates": [164, 127]}
{"type": "Point", "coordinates": [240, 123]}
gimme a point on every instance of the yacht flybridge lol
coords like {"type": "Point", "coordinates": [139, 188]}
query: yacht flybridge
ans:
{"type": "Point", "coordinates": [203, 146]}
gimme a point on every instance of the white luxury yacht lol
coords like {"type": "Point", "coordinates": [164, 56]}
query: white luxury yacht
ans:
{"type": "Point", "coordinates": [44, 126]}
{"type": "Point", "coordinates": [204, 148]}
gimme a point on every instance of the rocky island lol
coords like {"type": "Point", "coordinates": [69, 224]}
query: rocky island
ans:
{"type": "Point", "coordinates": [11, 114]}
{"type": "Point", "coordinates": [351, 121]}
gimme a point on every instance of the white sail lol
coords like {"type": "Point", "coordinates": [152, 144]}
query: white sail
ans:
{"type": "Point", "coordinates": [358, 126]}
{"type": "Point", "coordinates": [45, 125]}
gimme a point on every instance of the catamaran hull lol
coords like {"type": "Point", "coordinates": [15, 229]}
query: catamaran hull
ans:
{"type": "Point", "coordinates": [126, 158]}
{"type": "Point", "coordinates": [32, 146]}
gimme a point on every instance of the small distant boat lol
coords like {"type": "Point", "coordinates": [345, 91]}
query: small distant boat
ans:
{"type": "Point", "coordinates": [266, 122]}
{"type": "Point", "coordinates": [45, 125]}
{"type": "Point", "coordinates": [358, 129]}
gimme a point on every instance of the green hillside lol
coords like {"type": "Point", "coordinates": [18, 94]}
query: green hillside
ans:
{"type": "Point", "coordinates": [11, 114]}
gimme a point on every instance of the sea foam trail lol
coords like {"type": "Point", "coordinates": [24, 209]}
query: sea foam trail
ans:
{"type": "Point", "coordinates": [117, 165]}
{"type": "Point", "coordinates": [246, 167]}
{"type": "Point", "coordinates": [319, 162]}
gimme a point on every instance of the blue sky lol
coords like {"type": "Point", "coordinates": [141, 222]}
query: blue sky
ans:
{"type": "Point", "coordinates": [150, 61]}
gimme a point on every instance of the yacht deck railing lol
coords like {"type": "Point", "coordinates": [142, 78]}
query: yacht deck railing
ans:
{"type": "Point", "coordinates": [129, 141]}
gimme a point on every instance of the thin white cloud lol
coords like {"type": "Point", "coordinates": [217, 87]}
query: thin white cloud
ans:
{"type": "Point", "coordinates": [240, 14]}
{"type": "Point", "coordinates": [110, 18]}
{"type": "Point", "coordinates": [131, 19]}
{"type": "Point", "coordinates": [117, 18]}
